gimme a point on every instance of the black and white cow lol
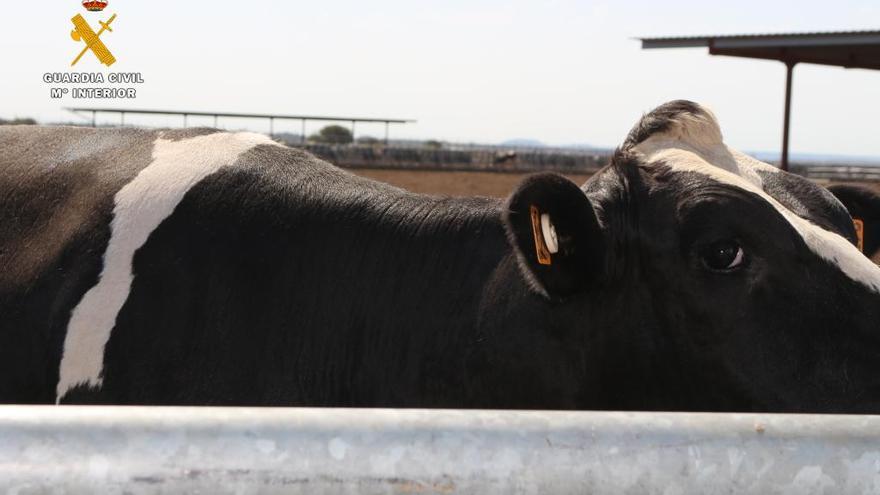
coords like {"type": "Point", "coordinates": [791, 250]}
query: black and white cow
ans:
{"type": "Point", "coordinates": [206, 267]}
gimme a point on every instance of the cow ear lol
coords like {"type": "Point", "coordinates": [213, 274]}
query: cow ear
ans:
{"type": "Point", "coordinates": [863, 205]}
{"type": "Point", "coordinates": [553, 229]}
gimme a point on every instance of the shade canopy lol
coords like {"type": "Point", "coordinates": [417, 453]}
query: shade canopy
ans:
{"type": "Point", "coordinates": [850, 49]}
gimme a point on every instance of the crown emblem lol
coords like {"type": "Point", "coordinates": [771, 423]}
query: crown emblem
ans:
{"type": "Point", "coordinates": [94, 5]}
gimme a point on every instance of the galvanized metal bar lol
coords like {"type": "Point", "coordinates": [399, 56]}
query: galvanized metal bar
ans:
{"type": "Point", "coordinates": [245, 450]}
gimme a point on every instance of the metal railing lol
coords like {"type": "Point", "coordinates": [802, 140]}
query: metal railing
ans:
{"type": "Point", "coordinates": [271, 118]}
{"type": "Point", "coordinates": [277, 450]}
{"type": "Point", "coordinates": [856, 173]}
{"type": "Point", "coordinates": [425, 158]}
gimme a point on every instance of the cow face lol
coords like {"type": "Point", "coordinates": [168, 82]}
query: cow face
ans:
{"type": "Point", "coordinates": [718, 282]}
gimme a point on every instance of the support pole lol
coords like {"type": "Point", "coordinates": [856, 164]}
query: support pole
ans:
{"type": "Point", "coordinates": [386, 133]}
{"type": "Point", "coordinates": [93, 119]}
{"type": "Point", "coordinates": [121, 119]}
{"type": "Point", "coordinates": [272, 127]}
{"type": "Point", "coordinates": [352, 131]}
{"type": "Point", "coordinates": [302, 138]}
{"type": "Point", "coordinates": [184, 120]}
{"type": "Point", "coordinates": [215, 121]}
{"type": "Point", "coordinates": [783, 163]}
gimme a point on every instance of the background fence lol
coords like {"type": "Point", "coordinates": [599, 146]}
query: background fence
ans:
{"type": "Point", "coordinates": [843, 173]}
{"type": "Point", "coordinates": [513, 159]}
{"type": "Point", "coordinates": [484, 159]}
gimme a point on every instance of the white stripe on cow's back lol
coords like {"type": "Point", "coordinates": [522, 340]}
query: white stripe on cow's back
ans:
{"type": "Point", "coordinates": [695, 145]}
{"type": "Point", "coordinates": [139, 207]}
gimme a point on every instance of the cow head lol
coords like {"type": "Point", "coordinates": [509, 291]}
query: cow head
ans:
{"type": "Point", "coordinates": [702, 278]}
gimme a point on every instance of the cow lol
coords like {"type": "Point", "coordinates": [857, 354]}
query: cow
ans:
{"type": "Point", "coordinates": [864, 206]}
{"type": "Point", "coordinates": [200, 267]}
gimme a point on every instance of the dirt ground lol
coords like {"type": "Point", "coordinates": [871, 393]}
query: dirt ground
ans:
{"type": "Point", "coordinates": [453, 183]}
{"type": "Point", "coordinates": [457, 183]}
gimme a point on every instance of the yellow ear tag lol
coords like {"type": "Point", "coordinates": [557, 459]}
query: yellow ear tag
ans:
{"type": "Point", "coordinates": [860, 233]}
{"type": "Point", "coordinates": [540, 244]}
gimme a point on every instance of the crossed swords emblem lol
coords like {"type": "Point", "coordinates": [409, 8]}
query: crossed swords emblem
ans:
{"type": "Point", "coordinates": [83, 32]}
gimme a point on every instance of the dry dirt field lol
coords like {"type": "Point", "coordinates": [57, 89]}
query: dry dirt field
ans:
{"type": "Point", "coordinates": [457, 183]}
{"type": "Point", "coordinates": [453, 183]}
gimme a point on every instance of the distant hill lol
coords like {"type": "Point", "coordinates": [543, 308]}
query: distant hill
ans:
{"type": "Point", "coordinates": [586, 147]}
{"type": "Point", "coordinates": [825, 159]}
{"type": "Point", "coordinates": [534, 143]}
{"type": "Point", "coordinates": [523, 143]}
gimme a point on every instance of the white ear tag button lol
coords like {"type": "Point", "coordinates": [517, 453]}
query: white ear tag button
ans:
{"type": "Point", "coordinates": [549, 232]}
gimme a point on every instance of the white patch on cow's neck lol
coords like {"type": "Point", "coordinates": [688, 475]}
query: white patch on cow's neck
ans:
{"type": "Point", "coordinates": [139, 207]}
{"type": "Point", "coordinates": [694, 144]}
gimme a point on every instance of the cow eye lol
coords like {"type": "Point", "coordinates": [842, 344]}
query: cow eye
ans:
{"type": "Point", "coordinates": [723, 255]}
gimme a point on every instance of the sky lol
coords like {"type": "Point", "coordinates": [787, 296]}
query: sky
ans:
{"type": "Point", "coordinates": [559, 71]}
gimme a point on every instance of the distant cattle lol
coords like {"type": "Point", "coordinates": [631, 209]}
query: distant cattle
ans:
{"type": "Point", "coordinates": [206, 267]}
{"type": "Point", "coordinates": [864, 206]}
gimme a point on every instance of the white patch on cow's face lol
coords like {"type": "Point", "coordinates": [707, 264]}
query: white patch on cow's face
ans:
{"type": "Point", "coordinates": [694, 144]}
{"type": "Point", "coordinates": [139, 207]}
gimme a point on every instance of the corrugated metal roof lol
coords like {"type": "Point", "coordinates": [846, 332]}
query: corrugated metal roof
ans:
{"type": "Point", "coordinates": [812, 34]}
{"type": "Point", "coordinates": [852, 49]}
